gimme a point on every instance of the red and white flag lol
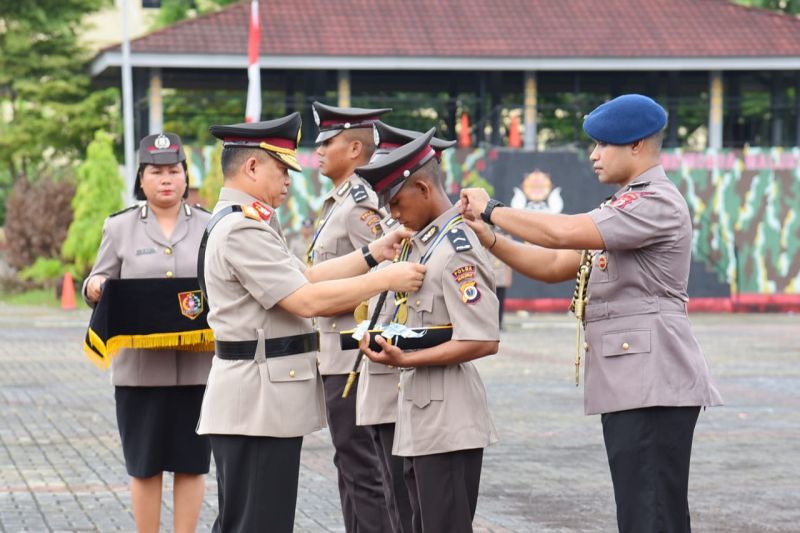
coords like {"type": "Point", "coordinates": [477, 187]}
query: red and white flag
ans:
{"type": "Point", "coordinates": [253, 110]}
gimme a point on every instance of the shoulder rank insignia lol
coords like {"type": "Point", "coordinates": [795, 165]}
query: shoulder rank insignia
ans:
{"type": "Point", "coordinates": [121, 211]}
{"type": "Point", "coordinates": [187, 210]}
{"type": "Point", "coordinates": [143, 212]}
{"type": "Point", "coordinates": [343, 188]}
{"type": "Point", "coordinates": [264, 212]}
{"type": "Point", "coordinates": [433, 230]}
{"type": "Point", "coordinates": [359, 193]}
{"type": "Point", "coordinates": [638, 184]}
{"type": "Point", "coordinates": [459, 240]}
{"type": "Point", "coordinates": [628, 198]}
{"type": "Point", "coordinates": [250, 212]}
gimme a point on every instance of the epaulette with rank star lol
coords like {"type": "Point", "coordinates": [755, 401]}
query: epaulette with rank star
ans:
{"type": "Point", "coordinates": [250, 212]}
{"type": "Point", "coordinates": [459, 240]}
{"type": "Point", "coordinates": [121, 211]}
{"type": "Point", "coordinates": [359, 193]}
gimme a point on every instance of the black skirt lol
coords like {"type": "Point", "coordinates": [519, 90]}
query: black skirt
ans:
{"type": "Point", "coordinates": [157, 426]}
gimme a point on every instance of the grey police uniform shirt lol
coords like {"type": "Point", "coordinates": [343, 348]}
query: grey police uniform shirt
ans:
{"type": "Point", "coordinates": [133, 246]}
{"type": "Point", "coordinates": [444, 408]}
{"type": "Point", "coordinates": [378, 384]}
{"type": "Point", "coordinates": [348, 221]}
{"type": "Point", "coordinates": [248, 270]}
{"type": "Point", "coordinates": [640, 350]}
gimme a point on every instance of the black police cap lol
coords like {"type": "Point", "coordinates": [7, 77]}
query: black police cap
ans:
{"type": "Point", "coordinates": [278, 137]}
{"type": "Point", "coordinates": [388, 138]}
{"type": "Point", "coordinates": [334, 120]}
{"type": "Point", "coordinates": [161, 149]}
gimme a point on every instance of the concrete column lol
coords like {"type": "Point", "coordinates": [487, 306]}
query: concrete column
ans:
{"type": "Point", "coordinates": [155, 104]}
{"type": "Point", "coordinates": [343, 88]}
{"type": "Point", "coordinates": [715, 110]}
{"type": "Point", "coordinates": [531, 103]}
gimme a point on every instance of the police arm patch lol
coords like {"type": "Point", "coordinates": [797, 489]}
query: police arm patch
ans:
{"type": "Point", "coordinates": [628, 198]}
{"type": "Point", "coordinates": [372, 219]}
{"type": "Point", "coordinates": [459, 240]}
{"type": "Point", "coordinates": [470, 294]}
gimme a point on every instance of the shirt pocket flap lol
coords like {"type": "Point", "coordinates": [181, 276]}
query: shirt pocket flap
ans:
{"type": "Point", "coordinates": [290, 368]}
{"type": "Point", "coordinates": [378, 368]}
{"type": "Point", "coordinates": [421, 302]}
{"type": "Point", "coordinates": [326, 246]}
{"type": "Point", "coordinates": [626, 342]}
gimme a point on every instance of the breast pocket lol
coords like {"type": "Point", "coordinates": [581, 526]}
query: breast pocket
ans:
{"type": "Point", "coordinates": [626, 342]}
{"type": "Point", "coordinates": [420, 308]}
{"type": "Point", "coordinates": [604, 267]}
{"type": "Point", "coordinates": [426, 385]}
{"type": "Point", "coordinates": [289, 369]}
{"type": "Point", "coordinates": [325, 249]}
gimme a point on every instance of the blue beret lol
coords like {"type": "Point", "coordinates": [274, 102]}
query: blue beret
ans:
{"type": "Point", "coordinates": [625, 119]}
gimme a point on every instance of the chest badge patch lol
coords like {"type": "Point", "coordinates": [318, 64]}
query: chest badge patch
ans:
{"type": "Point", "coordinates": [191, 303]}
{"type": "Point", "coordinates": [470, 294]}
{"type": "Point", "coordinates": [602, 261]}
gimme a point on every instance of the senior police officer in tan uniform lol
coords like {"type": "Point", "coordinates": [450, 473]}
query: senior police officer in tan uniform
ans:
{"type": "Point", "coordinates": [443, 420]}
{"type": "Point", "coordinates": [645, 372]}
{"type": "Point", "coordinates": [376, 403]}
{"type": "Point", "coordinates": [349, 219]}
{"type": "Point", "coordinates": [264, 390]}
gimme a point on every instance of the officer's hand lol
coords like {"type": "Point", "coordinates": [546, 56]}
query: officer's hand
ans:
{"type": "Point", "coordinates": [389, 355]}
{"type": "Point", "coordinates": [403, 277]}
{"type": "Point", "coordinates": [473, 203]}
{"type": "Point", "coordinates": [483, 231]}
{"type": "Point", "coordinates": [95, 287]}
{"type": "Point", "coordinates": [388, 246]}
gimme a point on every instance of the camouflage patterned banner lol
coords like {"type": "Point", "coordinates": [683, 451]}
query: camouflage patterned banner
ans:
{"type": "Point", "coordinates": [745, 204]}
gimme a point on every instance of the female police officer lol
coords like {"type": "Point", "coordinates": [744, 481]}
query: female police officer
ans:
{"type": "Point", "coordinates": [158, 392]}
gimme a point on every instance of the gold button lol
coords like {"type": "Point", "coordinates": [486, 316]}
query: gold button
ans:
{"type": "Point", "coordinates": [417, 302]}
{"type": "Point", "coordinates": [168, 251]}
{"type": "Point", "coordinates": [398, 386]}
{"type": "Point", "coordinates": [625, 345]}
{"type": "Point", "coordinates": [291, 373]}
{"type": "Point", "coordinates": [585, 345]}
{"type": "Point", "coordinates": [169, 273]}
{"type": "Point", "coordinates": [391, 366]}
{"type": "Point", "coordinates": [333, 325]}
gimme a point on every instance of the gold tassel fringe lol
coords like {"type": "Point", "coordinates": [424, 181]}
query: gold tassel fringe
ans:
{"type": "Point", "coordinates": [189, 341]}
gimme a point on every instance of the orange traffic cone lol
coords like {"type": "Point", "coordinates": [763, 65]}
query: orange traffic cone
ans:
{"type": "Point", "coordinates": [464, 137]}
{"type": "Point", "coordinates": [514, 140]}
{"type": "Point", "coordinates": [68, 292]}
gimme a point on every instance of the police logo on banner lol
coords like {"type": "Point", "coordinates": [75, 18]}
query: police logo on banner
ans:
{"type": "Point", "coordinates": [191, 303]}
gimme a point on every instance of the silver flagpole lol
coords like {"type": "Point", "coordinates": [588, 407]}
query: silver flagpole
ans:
{"type": "Point", "coordinates": [127, 104]}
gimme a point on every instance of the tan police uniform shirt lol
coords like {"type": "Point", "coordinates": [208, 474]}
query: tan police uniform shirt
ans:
{"type": "Point", "coordinates": [349, 220]}
{"type": "Point", "coordinates": [640, 348]}
{"type": "Point", "coordinates": [133, 246]}
{"type": "Point", "coordinates": [248, 270]}
{"type": "Point", "coordinates": [444, 408]}
{"type": "Point", "coordinates": [378, 384]}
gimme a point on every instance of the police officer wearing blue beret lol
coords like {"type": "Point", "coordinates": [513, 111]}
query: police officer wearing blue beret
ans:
{"type": "Point", "coordinates": [645, 373]}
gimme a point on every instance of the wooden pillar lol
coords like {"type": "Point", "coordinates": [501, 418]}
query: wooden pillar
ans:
{"type": "Point", "coordinates": [715, 110]}
{"type": "Point", "coordinates": [343, 88]}
{"type": "Point", "coordinates": [531, 103]}
{"type": "Point", "coordinates": [155, 103]}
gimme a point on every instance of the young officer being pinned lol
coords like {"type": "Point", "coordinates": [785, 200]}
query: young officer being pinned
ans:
{"type": "Point", "coordinates": [645, 372]}
{"type": "Point", "coordinates": [443, 421]}
{"type": "Point", "coordinates": [264, 391]}
{"type": "Point", "coordinates": [349, 220]}
{"type": "Point", "coordinates": [376, 404]}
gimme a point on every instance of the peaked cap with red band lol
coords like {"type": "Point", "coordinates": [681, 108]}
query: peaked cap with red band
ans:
{"type": "Point", "coordinates": [161, 149]}
{"type": "Point", "coordinates": [389, 173]}
{"type": "Point", "coordinates": [279, 137]}
{"type": "Point", "coordinates": [334, 120]}
{"type": "Point", "coordinates": [389, 138]}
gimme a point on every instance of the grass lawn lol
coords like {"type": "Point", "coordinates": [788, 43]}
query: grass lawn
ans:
{"type": "Point", "coordinates": [37, 297]}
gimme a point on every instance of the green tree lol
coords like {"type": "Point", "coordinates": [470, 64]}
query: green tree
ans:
{"type": "Point", "coordinates": [48, 112]}
{"type": "Point", "coordinates": [172, 11]}
{"type": "Point", "coordinates": [787, 6]}
{"type": "Point", "coordinates": [98, 194]}
{"type": "Point", "coordinates": [212, 183]}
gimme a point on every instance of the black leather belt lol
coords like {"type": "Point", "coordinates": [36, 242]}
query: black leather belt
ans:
{"type": "Point", "coordinates": [278, 347]}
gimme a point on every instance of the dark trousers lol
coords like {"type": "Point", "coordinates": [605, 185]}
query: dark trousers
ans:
{"type": "Point", "coordinates": [257, 483]}
{"type": "Point", "coordinates": [360, 488]}
{"type": "Point", "coordinates": [648, 452]}
{"type": "Point", "coordinates": [444, 490]}
{"type": "Point", "coordinates": [394, 486]}
{"type": "Point", "coordinates": [501, 300]}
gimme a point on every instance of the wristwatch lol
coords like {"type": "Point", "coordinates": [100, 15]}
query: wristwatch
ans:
{"type": "Point", "coordinates": [368, 257]}
{"type": "Point", "coordinates": [490, 206]}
